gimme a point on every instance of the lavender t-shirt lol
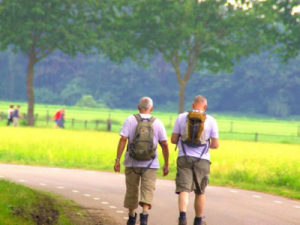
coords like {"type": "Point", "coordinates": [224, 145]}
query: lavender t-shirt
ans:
{"type": "Point", "coordinates": [211, 131]}
{"type": "Point", "coordinates": [128, 130]}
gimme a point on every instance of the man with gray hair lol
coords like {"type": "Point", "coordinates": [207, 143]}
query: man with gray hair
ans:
{"type": "Point", "coordinates": [193, 162]}
{"type": "Point", "coordinates": [141, 174]}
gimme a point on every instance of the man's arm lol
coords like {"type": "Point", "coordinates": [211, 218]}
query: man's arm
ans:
{"type": "Point", "coordinates": [165, 151]}
{"type": "Point", "coordinates": [121, 147]}
{"type": "Point", "coordinates": [214, 143]}
{"type": "Point", "coordinates": [174, 138]}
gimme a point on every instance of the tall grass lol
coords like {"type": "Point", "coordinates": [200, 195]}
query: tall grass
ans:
{"type": "Point", "coordinates": [267, 167]}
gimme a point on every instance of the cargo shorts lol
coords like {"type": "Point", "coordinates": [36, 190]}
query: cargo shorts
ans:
{"type": "Point", "coordinates": [139, 188]}
{"type": "Point", "coordinates": [192, 175]}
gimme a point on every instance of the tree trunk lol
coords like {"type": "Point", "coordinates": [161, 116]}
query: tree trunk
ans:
{"type": "Point", "coordinates": [30, 92]}
{"type": "Point", "coordinates": [182, 85]}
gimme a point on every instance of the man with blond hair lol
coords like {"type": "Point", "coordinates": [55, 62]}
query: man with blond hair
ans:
{"type": "Point", "coordinates": [141, 175]}
{"type": "Point", "coordinates": [193, 162]}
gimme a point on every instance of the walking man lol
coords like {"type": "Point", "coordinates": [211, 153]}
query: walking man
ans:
{"type": "Point", "coordinates": [10, 114]}
{"type": "Point", "coordinates": [16, 116]}
{"type": "Point", "coordinates": [193, 162]}
{"type": "Point", "coordinates": [141, 174]}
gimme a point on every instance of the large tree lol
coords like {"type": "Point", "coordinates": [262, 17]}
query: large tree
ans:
{"type": "Point", "coordinates": [38, 28]}
{"type": "Point", "coordinates": [194, 35]}
{"type": "Point", "coordinates": [284, 17]}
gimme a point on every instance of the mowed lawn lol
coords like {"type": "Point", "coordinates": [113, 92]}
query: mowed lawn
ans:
{"type": "Point", "coordinates": [268, 167]}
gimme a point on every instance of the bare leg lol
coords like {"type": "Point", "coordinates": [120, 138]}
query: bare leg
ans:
{"type": "Point", "coordinates": [199, 204]}
{"type": "Point", "coordinates": [183, 200]}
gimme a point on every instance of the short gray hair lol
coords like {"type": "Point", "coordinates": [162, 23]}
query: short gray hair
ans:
{"type": "Point", "coordinates": [200, 99]}
{"type": "Point", "coordinates": [145, 103]}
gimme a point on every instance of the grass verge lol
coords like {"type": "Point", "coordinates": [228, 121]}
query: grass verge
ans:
{"type": "Point", "coordinates": [22, 205]}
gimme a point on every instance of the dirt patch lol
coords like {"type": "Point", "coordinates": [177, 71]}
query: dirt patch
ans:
{"type": "Point", "coordinates": [48, 209]}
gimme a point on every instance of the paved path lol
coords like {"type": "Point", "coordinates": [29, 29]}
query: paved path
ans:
{"type": "Point", "coordinates": [225, 206]}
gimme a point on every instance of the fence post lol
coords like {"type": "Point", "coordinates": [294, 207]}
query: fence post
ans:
{"type": "Point", "coordinates": [73, 121]}
{"type": "Point", "coordinates": [85, 124]}
{"type": "Point", "coordinates": [298, 131]}
{"type": "Point", "coordinates": [170, 121]}
{"type": "Point", "coordinates": [108, 125]}
{"type": "Point", "coordinates": [97, 122]}
{"type": "Point", "coordinates": [231, 127]}
{"type": "Point", "coordinates": [256, 137]}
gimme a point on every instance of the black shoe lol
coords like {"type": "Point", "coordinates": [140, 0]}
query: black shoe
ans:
{"type": "Point", "coordinates": [199, 223]}
{"type": "Point", "coordinates": [182, 222]}
{"type": "Point", "coordinates": [143, 219]}
{"type": "Point", "coordinates": [131, 220]}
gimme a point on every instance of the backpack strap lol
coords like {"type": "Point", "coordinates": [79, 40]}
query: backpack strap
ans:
{"type": "Point", "coordinates": [139, 118]}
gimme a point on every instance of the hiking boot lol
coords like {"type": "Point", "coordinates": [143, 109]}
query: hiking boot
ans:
{"type": "Point", "coordinates": [201, 223]}
{"type": "Point", "coordinates": [143, 219]}
{"type": "Point", "coordinates": [182, 222]}
{"type": "Point", "coordinates": [131, 220]}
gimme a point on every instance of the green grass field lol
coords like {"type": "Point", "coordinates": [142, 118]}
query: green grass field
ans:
{"type": "Point", "coordinates": [267, 167]}
{"type": "Point", "coordinates": [22, 205]}
{"type": "Point", "coordinates": [231, 126]}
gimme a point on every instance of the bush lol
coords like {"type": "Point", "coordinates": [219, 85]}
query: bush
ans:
{"type": "Point", "coordinates": [89, 101]}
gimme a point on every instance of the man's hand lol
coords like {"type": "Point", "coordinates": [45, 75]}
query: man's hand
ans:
{"type": "Point", "coordinates": [165, 170]}
{"type": "Point", "coordinates": [117, 166]}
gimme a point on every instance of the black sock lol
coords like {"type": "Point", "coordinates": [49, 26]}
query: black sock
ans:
{"type": "Point", "coordinates": [198, 220]}
{"type": "Point", "coordinates": [182, 216]}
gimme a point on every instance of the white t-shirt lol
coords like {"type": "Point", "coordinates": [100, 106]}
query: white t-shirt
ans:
{"type": "Point", "coordinates": [211, 131]}
{"type": "Point", "coordinates": [10, 113]}
{"type": "Point", "coordinates": [128, 130]}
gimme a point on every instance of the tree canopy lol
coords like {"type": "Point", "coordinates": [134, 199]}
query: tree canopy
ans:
{"type": "Point", "coordinates": [38, 28]}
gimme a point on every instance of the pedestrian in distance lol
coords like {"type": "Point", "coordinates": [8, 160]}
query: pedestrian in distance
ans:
{"type": "Point", "coordinates": [143, 133]}
{"type": "Point", "coordinates": [16, 116]}
{"type": "Point", "coordinates": [56, 118]}
{"type": "Point", "coordinates": [10, 115]}
{"type": "Point", "coordinates": [194, 133]}
{"type": "Point", "coordinates": [61, 120]}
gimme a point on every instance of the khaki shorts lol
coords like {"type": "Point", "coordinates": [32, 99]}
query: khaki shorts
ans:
{"type": "Point", "coordinates": [192, 175]}
{"type": "Point", "coordinates": [139, 186]}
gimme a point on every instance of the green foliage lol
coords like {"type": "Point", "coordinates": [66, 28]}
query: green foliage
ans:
{"type": "Point", "coordinates": [88, 101]}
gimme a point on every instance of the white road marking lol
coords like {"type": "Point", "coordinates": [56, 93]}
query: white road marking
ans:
{"type": "Point", "coordinates": [125, 218]}
{"type": "Point", "coordinates": [279, 202]}
{"type": "Point", "coordinates": [104, 203]}
{"type": "Point", "coordinates": [75, 191]}
{"type": "Point", "coordinates": [22, 181]}
{"type": "Point", "coordinates": [121, 175]}
{"type": "Point", "coordinates": [96, 198]}
{"type": "Point", "coordinates": [120, 212]}
{"type": "Point", "coordinates": [90, 172]}
{"type": "Point", "coordinates": [233, 191]}
{"type": "Point", "coordinates": [297, 207]}
{"type": "Point", "coordinates": [2, 176]}
{"type": "Point", "coordinates": [112, 207]}
{"type": "Point", "coordinates": [256, 196]}
{"type": "Point", "coordinates": [87, 195]}
{"type": "Point", "coordinates": [60, 187]}
{"type": "Point", "coordinates": [42, 184]}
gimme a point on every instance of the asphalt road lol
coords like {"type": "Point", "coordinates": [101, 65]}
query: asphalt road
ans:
{"type": "Point", "coordinates": [224, 206]}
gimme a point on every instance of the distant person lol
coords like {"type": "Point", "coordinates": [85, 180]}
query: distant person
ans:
{"type": "Point", "coordinates": [194, 132]}
{"type": "Point", "coordinates": [10, 115]}
{"type": "Point", "coordinates": [56, 118]}
{"type": "Point", "coordinates": [16, 116]}
{"type": "Point", "coordinates": [61, 120]}
{"type": "Point", "coordinates": [141, 175]}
